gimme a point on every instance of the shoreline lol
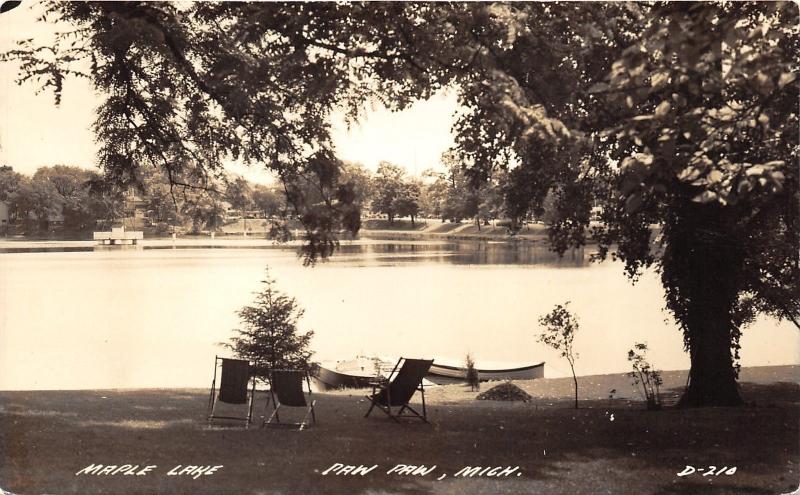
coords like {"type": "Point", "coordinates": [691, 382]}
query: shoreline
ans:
{"type": "Point", "coordinates": [363, 234]}
{"type": "Point", "coordinates": [239, 239]}
{"type": "Point", "coordinates": [401, 230]}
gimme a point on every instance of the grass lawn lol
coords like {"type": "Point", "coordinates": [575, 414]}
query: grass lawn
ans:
{"type": "Point", "coordinates": [606, 446]}
{"type": "Point", "coordinates": [399, 224]}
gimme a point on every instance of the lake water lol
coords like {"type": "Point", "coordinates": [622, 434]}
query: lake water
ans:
{"type": "Point", "coordinates": [72, 317]}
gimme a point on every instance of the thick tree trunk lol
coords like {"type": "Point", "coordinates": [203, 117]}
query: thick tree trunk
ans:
{"type": "Point", "coordinates": [701, 266]}
{"type": "Point", "coordinates": [712, 380]}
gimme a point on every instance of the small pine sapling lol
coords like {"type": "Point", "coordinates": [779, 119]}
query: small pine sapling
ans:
{"type": "Point", "coordinates": [270, 338]}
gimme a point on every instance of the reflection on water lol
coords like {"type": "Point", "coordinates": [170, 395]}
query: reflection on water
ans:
{"type": "Point", "coordinates": [458, 253]}
{"type": "Point", "coordinates": [364, 253]}
{"type": "Point", "coordinates": [154, 316]}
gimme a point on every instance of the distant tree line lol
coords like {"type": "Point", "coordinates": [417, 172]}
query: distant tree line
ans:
{"type": "Point", "coordinates": [449, 195]}
{"type": "Point", "coordinates": [72, 195]}
{"type": "Point", "coordinates": [80, 199]}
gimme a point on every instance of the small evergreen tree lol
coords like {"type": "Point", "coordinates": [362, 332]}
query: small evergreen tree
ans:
{"type": "Point", "coordinates": [472, 374]}
{"type": "Point", "coordinates": [270, 338]}
{"type": "Point", "coordinates": [560, 327]}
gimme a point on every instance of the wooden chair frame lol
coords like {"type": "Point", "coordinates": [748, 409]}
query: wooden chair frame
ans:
{"type": "Point", "coordinates": [385, 385]}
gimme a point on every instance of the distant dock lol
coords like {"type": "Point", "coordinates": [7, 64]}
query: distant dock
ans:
{"type": "Point", "coordinates": [118, 237]}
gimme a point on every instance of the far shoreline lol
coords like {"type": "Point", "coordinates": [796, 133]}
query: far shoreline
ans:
{"type": "Point", "coordinates": [372, 229]}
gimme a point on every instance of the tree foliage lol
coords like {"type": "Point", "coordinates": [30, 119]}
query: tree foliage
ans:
{"type": "Point", "coordinates": [205, 210]}
{"type": "Point", "coordinates": [702, 118]}
{"type": "Point", "coordinates": [407, 202]}
{"type": "Point", "coordinates": [394, 193]}
{"type": "Point", "coordinates": [239, 193]}
{"type": "Point", "coordinates": [78, 196]}
{"type": "Point", "coordinates": [9, 182]}
{"type": "Point", "coordinates": [269, 201]}
{"type": "Point", "coordinates": [388, 187]}
{"type": "Point", "coordinates": [680, 115]}
{"type": "Point", "coordinates": [360, 180]}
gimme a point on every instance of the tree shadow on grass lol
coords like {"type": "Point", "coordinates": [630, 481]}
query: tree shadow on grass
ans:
{"type": "Point", "coordinates": [555, 447]}
{"type": "Point", "coordinates": [693, 488]}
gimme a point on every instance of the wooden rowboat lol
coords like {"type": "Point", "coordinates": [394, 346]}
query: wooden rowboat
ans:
{"type": "Point", "coordinates": [360, 372]}
{"type": "Point", "coordinates": [442, 374]}
{"type": "Point", "coordinates": [327, 379]}
{"type": "Point", "coordinates": [355, 373]}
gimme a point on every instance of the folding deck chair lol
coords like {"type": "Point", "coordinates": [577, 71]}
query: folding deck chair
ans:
{"type": "Point", "coordinates": [286, 389]}
{"type": "Point", "coordinates": [233, 383]}
{"type": "Point", "coordinates": [400, 388]}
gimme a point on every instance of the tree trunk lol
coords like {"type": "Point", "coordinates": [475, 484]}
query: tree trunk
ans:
{"type": "Point", "coordinates": [701, 267]}
{"type": "Point", "coordinates": [712, 379]}
{"type": "Point", "coordinates": [575, 381]}
{"type": "Point", "coordinates": [412, 221]}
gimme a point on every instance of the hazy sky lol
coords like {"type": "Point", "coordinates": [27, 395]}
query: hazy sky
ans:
{"type": "Point", "coordinates": [34, 132]}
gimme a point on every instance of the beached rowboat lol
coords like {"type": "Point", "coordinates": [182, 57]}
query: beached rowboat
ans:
{"type": "Point", "coordinates": [354, 373]}
{"type": "Point", "coordinates": [327, 379]}
{"type": "Point", "coordinates": [442, 374]}
{"type": "Point", "coordinates": [360, 372]}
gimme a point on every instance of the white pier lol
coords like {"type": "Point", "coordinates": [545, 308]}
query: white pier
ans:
{"type": "Point", "coordinates": [118, 236]}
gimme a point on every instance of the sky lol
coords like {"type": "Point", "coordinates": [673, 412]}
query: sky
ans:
{"type": "Point", "coordinates": [34, 132]}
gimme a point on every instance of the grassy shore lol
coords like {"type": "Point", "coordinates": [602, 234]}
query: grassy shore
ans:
{"type": "Point", "coordinates": [402, 229]}
{"type": "Point", "coordinates": [438, 230]}
{"type": "Point", "coordinates": [606, 446]}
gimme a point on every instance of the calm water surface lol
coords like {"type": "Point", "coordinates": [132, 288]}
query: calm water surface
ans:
{"type": "Point", "coordinates": [72, 317]}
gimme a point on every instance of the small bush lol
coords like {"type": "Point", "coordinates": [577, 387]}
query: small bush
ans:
{"type": "Point", "coordinates": [645, 376]}
{"type": "Point", "coordinates": [472, 374]}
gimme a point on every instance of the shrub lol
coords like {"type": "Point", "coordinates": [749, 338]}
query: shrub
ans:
{"type": "Point", "coordinates": [644, 375]}
{"type": "Point", "coordinates": [472, 374]}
